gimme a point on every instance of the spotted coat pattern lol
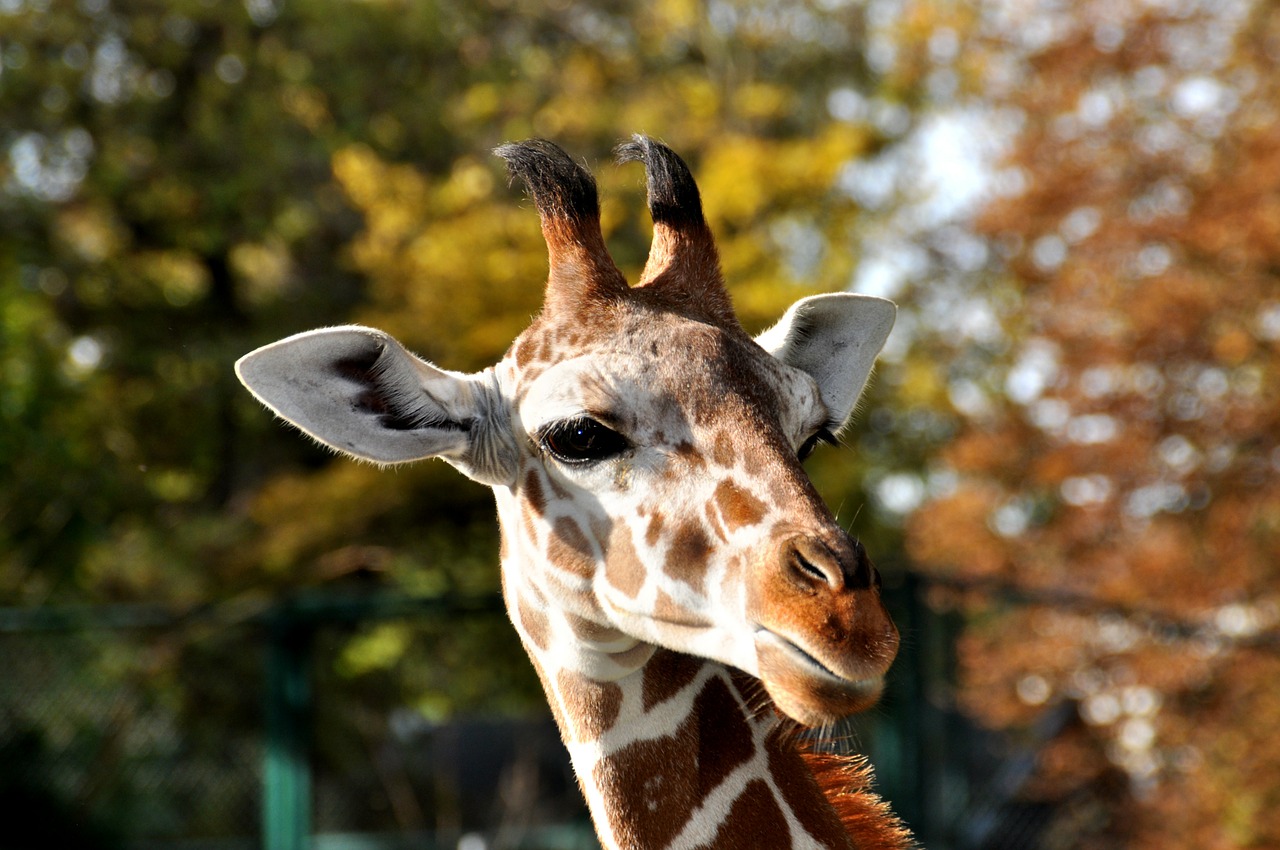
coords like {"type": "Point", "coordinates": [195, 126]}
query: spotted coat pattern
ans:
{"type": "Point", "coordinates": [628, 581]}
{"type": "Point", "coordinates": [684, 594]}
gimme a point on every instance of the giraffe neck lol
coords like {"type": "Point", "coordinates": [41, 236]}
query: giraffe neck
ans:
{"type": "Point", "coordinates": [671, 751]}
{"type": "Point", "coordinates": [685, 753]}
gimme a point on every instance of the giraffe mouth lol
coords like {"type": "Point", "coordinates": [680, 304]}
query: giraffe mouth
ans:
{"type": "Point", "coordinates": [807, 689]}
{"type": "Point", "coordinates": [795, 651]}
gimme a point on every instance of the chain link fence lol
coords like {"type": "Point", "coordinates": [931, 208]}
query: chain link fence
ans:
{"type": "Point", "coordinates": [131, 727]}
{"type": "Point", "coordinates": [95, 747]}
{"type": "Point", "coordinates": [226, 728]}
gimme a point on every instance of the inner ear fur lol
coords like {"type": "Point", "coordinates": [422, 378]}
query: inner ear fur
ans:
{"type": "Point", "coordinates": [835, 339]}
{"type": "Point", "coordinates": [357, 390]}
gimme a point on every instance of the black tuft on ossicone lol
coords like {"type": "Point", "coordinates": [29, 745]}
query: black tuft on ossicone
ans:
{"type": "Point", "coordinates": [673, 195]}
{"type": "Point", "coordinates": [561, 188]}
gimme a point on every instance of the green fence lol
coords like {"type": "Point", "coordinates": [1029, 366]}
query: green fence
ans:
{"type": "Point", "coordinates": [106, 741]}
{"type": "Point", "coordinates": [218, 728]}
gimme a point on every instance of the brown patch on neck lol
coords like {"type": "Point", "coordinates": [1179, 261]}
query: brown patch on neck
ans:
{"type": "Point", "coordinates": [652, 787]}
{"type": "Point", "coordinates": [666, 675]}
{"type": "Point", "coordinates": [803, 795]}
{"type": "Point", "coordinates": [591, 707]}
{"type": "Point", "coordinates": [724, 735]}
{"type": "Point", "coordinates": [755, 821]}
{"type": "Point", "coordinates": [534, 623]}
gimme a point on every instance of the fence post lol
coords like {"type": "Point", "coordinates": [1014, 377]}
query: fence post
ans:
{"type": "Point", "coordinates": [286, 768]}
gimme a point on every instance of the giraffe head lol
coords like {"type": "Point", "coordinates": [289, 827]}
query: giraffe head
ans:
{"type": "Point", "coordinates": [645, 450]}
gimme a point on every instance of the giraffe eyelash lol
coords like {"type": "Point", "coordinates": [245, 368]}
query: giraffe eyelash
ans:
{"type": "Point", "coordinates": [824, 435]}
{"type": "Point", "coordinates": [581, 440]}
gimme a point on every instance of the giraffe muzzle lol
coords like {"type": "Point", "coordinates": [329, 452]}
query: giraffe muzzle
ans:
{"type": "Point", "coordinates": [804, 688]}
{"type": "Point", "coordinates": [823, 638]}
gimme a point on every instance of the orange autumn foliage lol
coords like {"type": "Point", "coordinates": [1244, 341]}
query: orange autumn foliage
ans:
{"type": "Point", "coordinates": [1128, 500]}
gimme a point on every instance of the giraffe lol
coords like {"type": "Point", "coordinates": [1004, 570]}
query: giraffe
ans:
{"type": "Point", "coordinates": [687, 599]}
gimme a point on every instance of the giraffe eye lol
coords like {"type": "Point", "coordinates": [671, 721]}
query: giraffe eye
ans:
{"type": "Point", "coordinates": [823, 436]}
{"type": "Point", "coordinates": [582, 440]}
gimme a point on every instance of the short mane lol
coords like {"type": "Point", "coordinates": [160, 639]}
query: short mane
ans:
{"type": "Point", "coordinates": [846, 782]}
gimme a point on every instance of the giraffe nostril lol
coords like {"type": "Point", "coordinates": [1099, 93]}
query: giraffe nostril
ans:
{"type": "Point", "coordinates": [803, 565]}
{"type": "Point", "coordinates": [835, 564]}
{"type": "Point", "coordinates": [814, 567]}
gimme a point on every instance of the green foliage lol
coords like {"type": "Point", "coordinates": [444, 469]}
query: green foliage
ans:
{"type": "Point", "coordinates": [183, 181]}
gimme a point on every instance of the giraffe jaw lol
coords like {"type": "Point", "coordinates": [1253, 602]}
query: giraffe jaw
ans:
{"type": "Point", "coordinates": [804, 688]}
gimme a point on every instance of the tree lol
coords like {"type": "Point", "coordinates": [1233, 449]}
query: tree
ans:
{"type": "Point", "coordinates": [183, 181]}
{"type": "Point", "coordinates": [1111, 522]}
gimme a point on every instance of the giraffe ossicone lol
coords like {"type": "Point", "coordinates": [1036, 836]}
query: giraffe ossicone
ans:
{"type": "Point", "coordinates": [670, 569]}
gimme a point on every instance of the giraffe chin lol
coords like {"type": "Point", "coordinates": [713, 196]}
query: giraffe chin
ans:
{"type": "Point", "coordinates": [805, 689]}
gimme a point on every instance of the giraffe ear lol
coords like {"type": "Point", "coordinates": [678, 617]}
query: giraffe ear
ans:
{"type": "Point", "coordinates": [835, 338]}
{"type": "Point", "coordinates": [360, 392]}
